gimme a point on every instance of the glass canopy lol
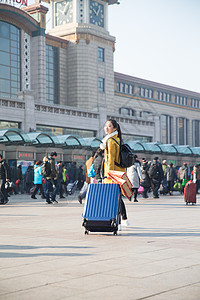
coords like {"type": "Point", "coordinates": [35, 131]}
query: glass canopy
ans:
{"type": "Point", "coordinates": [17, 136]}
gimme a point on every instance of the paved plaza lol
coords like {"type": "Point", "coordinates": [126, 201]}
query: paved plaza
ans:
{"type": "Point", "coordinates": [44, 253]}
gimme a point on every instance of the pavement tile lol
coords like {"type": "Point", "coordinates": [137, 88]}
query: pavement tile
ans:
{"type": "Point", "coordinates": [44, 253]}
{"type": "Point", "coordinates": [185, 293]}
{"type": "Point", "coordinates": [47, 292]}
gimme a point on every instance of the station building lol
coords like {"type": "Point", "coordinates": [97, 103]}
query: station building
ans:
{"type": "Point", "coordinates": [60, 87]}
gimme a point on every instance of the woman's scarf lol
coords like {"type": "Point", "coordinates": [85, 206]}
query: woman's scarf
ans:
{"type": "Point", "coordinates": [103, 144]}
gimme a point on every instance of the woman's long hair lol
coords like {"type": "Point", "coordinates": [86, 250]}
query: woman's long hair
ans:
{"type": "Point", "coordinates": [117, 127]}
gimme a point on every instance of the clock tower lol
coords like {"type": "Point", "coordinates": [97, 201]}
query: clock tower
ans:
{"type": "Point", "coordinates": [89, 56]}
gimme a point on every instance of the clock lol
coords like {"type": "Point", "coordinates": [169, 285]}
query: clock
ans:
{"type": "Point", "coordinates": [96, 13]}
{"type": "Point", "coordinates": [64, 12]}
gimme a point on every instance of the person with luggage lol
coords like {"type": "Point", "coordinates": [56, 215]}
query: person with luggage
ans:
{"type": "Point", "coordinates": [170, 174]}
{"type": "Point", "coordinates": [4, 177]}
{"type": "Point", "coordinates": [146, 182]}
{"type": "Point", "coordinates": [112, 157]}
{"type": "Point", "coordinates": [38, 180]}
{"type": "Point", "coordinates": [156, 175]}
{"type": "Point", "coordinates": [83, 191]}
{"type": "Point", "coordinates": [196, 175]}
{"type": "Point", "coordinates": [183, 176]}
{"type": "Point", "coordinates": [134, 174]}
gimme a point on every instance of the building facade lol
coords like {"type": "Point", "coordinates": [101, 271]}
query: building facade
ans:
{"type": "Point", "coordinates": [64, 82]}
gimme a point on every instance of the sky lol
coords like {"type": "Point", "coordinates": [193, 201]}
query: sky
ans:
{"type": "Point", "coordinates": [158, 40]}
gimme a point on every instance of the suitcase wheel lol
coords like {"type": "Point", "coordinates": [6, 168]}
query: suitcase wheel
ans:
{"type": "Point", "coordinates": [86, 232]}
{"type": "Point", "coordinates": [186, 202]}
{"type": "Point", "coordinates": [114, 232]}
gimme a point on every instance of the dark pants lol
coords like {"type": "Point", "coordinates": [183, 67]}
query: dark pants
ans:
{"type": "Point", "coordinates": [3, 193]}
{"type": "Point", "coordinates": [123, 210]}
{"type": "Point", "coordinates": [197, 183]}
{"type": "Point", "coordinates": [135, 192]}
{"type": "Point", "coordinates": [28, 187]}
{"type": "Point", "coordinates": [145, 192]}
{"type": "Point", "coordinates": [39, 187]}
{"type": "Point", "coordinates": [55, 191]}
{"type": "Point", "coordinates": [183, 186]}
{"type": "Point", "coordinates": [155, 188]}
{"type": "Point", "coordinates": [49, 188]}
{"type": "Point", "coordinates": [170, 185]}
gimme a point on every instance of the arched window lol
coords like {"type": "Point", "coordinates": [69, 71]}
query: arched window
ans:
{"type": "Point", "coordinates": [10, 62]}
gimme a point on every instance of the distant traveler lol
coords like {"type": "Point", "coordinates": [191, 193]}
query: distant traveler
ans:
{"type": "Point", "coordinates": [4, 176]}
{"type": "Point", "coordinates": [156, 175]}
{"type": "Point", "coordinates": [38, 180]}
{"type": "Point", "coordinates": [146, 182]}
{"type": "Point", "coordinates": [135, 175]}
{"type": "Point", "coordinates": [171, 177]}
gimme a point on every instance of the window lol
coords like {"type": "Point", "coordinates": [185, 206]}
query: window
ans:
{"type": "Point", "coordinates": [122, 85]}
{"type": "Point", "coordinates": [101, 84]}
{"type": "Point", "coordinates": [118, 86]}
{"type": "Point", "coordinates": [125, 88]}
{"type": "Point", "coordinates": [131, 89]}
{"type": "Point", "coordinates": [164, 96]}
{"type": "Point", "coordinates": [52, 78]}
{"type": "Point", "coordinates": [168, 97]}
{"type": "Point", "coordinates": [10, 60]}
{"type": "Point", "coordinates": [196, 133]}
{"type": "Point", "coordinates": [143, 139]}
{"type": "Point", "coordinates": [166, 129]}
{"type": "Point", "coordinates": [144, 92]}
{"type": "Point", "coordinates": [181, 100]}
{"type": "Point", "coordinates": [194, 103]}
{"type": "Point", "coordinates": [64, 131]}
{"type": "Point", "coordinates": [145, 114]}
{"type": "Point", "coordinates": [6, 125]}
{"type": "Point", "coordinates": [101, 54]}
{"type": "Point", "coordinates": [182, 128]}
{"type": "Point", "coordinates": [150, 93]}
{"type": "Point", "coordinates": [125, 111]}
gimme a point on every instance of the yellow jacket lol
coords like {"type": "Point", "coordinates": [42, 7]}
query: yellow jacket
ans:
{"type": "Point", "coordinates": [111, 155]}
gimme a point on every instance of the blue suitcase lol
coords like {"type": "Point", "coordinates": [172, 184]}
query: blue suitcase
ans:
{"type": "Point", "coordinates": [102, 208]}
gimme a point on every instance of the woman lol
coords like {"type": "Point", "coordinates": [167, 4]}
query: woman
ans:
{"type": "Point", "coordinates": [38, 179]}
{"type": "Point", "coordinates": [135, 175]}
{"type": "Point", "coordinates": [112, 156]}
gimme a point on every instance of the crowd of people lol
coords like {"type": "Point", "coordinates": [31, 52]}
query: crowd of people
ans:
{"type": "Point", "coordinates": [48, 177]}
{"type": "Point", "coordinates": [51, 177]}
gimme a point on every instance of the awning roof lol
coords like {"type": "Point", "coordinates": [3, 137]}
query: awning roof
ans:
{"type": "Point", "coordinates": [67, 141]}
{"type": "Point", "coordinates": [16, 136]}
